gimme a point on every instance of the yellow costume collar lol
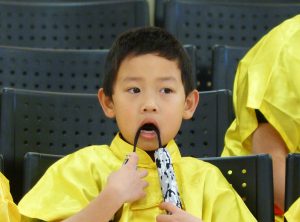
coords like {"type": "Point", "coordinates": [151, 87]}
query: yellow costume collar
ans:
{"type": "Point", "coordinates": [121, 148]}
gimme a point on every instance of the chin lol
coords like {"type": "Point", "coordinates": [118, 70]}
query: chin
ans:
{"type": "Point", "coordinates": [148, 147]}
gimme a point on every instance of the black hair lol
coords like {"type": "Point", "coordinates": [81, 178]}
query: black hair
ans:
{"type": "Point", "coordinates": [142, 41]}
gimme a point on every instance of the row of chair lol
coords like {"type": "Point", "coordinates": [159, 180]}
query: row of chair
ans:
{"type": "Point", "coordinates": [82, 70]}
{"type": "Point", "coordinates": [251, 177]}
{"type": "Point", "coordinates": [57, 70]}
{"type": "Point", "coordinates": [224, 65]}
{"type": "Point", "coordinates": [1, 163]}
{"type": "Point", "coordinates": [160, 5]}
{"type": "Point", "coordinates": [67, 24]}
{"type": "Point", "coordinates": [95, 24]}
{"type": "Point", "coordinates": [207, 23]}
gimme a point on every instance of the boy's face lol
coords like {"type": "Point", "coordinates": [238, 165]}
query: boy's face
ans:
{"type": "Point", "coordinates": [148, 90]}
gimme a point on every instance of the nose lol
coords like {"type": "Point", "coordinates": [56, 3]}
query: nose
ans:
{"type": "Point", "coordinates": [149, 108]}
{"type": "Point", "coordinates": [149, 104]}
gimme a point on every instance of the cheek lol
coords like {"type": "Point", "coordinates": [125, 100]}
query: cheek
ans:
{"type": "Point", "coordinates": [172, 125]}
{"type": "Point", "coordinates": [122, 105]}
{"type": "Point", "coordinates": [126, 116]}
{"type": "Point", "coordinates": [175, 112]}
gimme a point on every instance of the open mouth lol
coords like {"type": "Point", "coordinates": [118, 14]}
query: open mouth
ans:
{"type": "Point", "coordinates": [147, 129]}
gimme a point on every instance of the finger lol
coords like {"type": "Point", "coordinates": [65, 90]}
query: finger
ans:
{"type": "Point", "coordinates": [163, 218]}
{"type": "Point", "coordinates": [142, 173]}
{"type": "Point", "coordinates": [168, 207]}
{"type": "Point", "coordinates": [145, 184]}
{"type": "Point", "coordinates": [132, 160]}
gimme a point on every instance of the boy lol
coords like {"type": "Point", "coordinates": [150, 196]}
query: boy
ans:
{"type": "Point", "coordinates": [266, 102]}
{"type": "Point", "coordinates": [147, 84]}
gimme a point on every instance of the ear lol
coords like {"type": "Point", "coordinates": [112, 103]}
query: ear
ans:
{"type": "Point", "coordinates": [191, 103]}
{"type": "Point", "coordinates": [106, 104]}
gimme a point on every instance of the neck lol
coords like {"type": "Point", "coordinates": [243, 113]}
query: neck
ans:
{"type": "Point", "coordinates": [150, 153]}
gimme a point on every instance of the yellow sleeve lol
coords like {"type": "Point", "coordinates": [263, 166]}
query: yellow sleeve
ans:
{"type": "Point", "coordinates": [207, 194]}
{"type": "Point", "coordinates": [66, 188]}
{"type": "Point", "coordinates": [8, 210]}
{"type": "Point", "coordinates": [222, 203]}
{"type": "Point", "coordinates": [293, 213]}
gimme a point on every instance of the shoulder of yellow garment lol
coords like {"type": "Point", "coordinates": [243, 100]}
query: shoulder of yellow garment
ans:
{"type": "Point", "coordinates": [8, 210]}
{"type": "Point", "coordinates": [4, 188]}
{"type": "Point", "coordinates": [293, 213]}
{"type": "Point", "coordinates": [198, 166]}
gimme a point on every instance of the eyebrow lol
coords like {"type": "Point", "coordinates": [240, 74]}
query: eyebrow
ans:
{"type": "Point", "coordinates": [161, 79]}
{"type": "Point", "coordinates": [167, 79]}
{"type": "Point", "coordinates": [131, 79]}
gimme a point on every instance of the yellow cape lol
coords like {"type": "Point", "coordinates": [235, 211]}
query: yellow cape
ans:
{"type": "Point", "coordinates": [268, 79]}
{"type": "Point", "coordinates": [71, 183]}
{"type": "Point", "coordinates": [293, 214]}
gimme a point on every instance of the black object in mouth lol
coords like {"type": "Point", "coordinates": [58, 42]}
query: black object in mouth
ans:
{"type": "Point", "coordinates": [147, 127]}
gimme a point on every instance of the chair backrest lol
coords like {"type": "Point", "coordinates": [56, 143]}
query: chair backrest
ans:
{"type": "Point", "coordinates": [191, 51]}
{"type": "Point", "coordinates": [35, 165]}
{"type": "Point", "coordinates": [252, 178]}
{"type": "Point", "coordinates": [84, 25]}
{"type": "Point", "coordinates": [224, 65]}
{"type": "Point", "coordinates": [61, 70]}
{"type": "Point", "coordinates": [292, 185]}
{"type": "Point", "coordinates": [48, 122]}
{"type": "Point", "coordinates": [159, 12]}
{"type": "Point", "coordinates": [52, 69]}
{"type": "Point", "coordinates": [203, 135]}
{"type": "Point", "coordinates": [207, 23]}
{"type": "Point", "coordinates": [159, 15]}
{"type": "Point", "coordinates": [1, 163]}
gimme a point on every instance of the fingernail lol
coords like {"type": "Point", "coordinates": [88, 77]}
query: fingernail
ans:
{"type": "Point", "coordinates": [126, 159]}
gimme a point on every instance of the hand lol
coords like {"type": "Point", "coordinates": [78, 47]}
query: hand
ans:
{"type": "Point", "coordinates": [127, 183]}
{"type": "Point", "coordinates": [177, 215]}
{"type": "Point", "coordinates": [124, 185]}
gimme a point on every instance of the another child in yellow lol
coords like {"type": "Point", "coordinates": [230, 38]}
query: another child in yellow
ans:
{"type": "Point", "coordinates": [267, 101]}
{"type": "Point", "coordinates": [8, 210]}
{"type": "Point", "coordinates": [147, 81]}
{"type": "Point", "coordinates": [293, 213]}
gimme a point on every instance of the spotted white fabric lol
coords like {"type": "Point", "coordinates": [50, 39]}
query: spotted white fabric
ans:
{"type": "Point", "coordinates": [167, 177]}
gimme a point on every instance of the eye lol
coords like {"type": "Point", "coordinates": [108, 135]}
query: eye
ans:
{"type": "Point", "coordinates": [166, 90]}
{"type": "Point", "coordinates": [134, 90]}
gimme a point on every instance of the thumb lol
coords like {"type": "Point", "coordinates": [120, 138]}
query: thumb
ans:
{"type": "Point", "coordinates": [169, 207]}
